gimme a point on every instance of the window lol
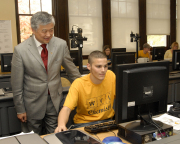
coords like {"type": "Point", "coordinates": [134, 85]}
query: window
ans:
{"type": "Point", "coordinates": [156, 40]}
{"type": "Point", "coordinates": [158, 17]}
{"type": "Point", "coordinates": [26, 8]}
{"type": "Point", "coordinates": [87, 14]}
{"type": "Point", "coordinates": [178, 20]}
{"type": "Point", "coordinates": [124, 19]}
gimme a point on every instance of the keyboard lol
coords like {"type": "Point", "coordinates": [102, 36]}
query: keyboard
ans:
{"type": "Point", "coordinates": [101, 127]}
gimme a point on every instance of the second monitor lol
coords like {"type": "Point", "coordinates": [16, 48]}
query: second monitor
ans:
{"type": "Point", "coordinates": [176, 60]}
{"type": "Point", "coordinates": [118, 50]}
{"type": "Point", "coordinates": [122, 58]}
{"type": "Point", "coordinates": [158, 53]}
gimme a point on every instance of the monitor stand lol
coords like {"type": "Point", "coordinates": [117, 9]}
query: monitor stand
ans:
{"type": "Point", "coordinates": [137, 127]}
{"type": "Point", "coordinates": [146, 124]}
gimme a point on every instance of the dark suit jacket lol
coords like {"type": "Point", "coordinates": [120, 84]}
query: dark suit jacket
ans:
{"type": "Point", "coordinates": [30, 81]}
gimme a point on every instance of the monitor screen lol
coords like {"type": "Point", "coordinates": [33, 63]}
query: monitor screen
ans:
{"type": "Point", "coordinates": [115, 50]}
{"type": "Point", "coordinates": [122, 58]}
{"type": "Point", "coordinates": [118, 50]}
{"type": "Point", "coordinates": [158, 53]}
{"type": "Point", "coordinates": [74, 56]}
{"type": "Point", "coordinates": [141, 91]}
{"type": "Point", "coordinates": [176, 60]}
{"type": "Point", "coordinates": [6, 62]}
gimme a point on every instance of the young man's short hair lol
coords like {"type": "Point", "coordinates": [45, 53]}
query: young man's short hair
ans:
{"type": "Point", "coordinates": [95, 54]}
{"type": "Point", "coordinates": [146, 45]}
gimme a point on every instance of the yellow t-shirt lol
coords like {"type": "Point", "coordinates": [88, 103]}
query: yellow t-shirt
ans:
{"type": "Point", "coordinates": [141, 54]}
{"type": "Point", "coordinates": [93, 102]}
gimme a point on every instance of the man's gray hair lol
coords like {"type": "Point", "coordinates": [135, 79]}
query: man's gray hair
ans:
{"type": "Point", "coordinates": [41, 18]}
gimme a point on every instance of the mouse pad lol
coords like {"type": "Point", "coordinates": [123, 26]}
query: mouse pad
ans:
{"type": "Point", "coordinates": [76, 137]}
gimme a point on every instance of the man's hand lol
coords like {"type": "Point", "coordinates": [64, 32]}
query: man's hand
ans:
{"type": "Point", "coordinates": [60, 129]}
{"type": "Point", "coordinates": [22, 117]}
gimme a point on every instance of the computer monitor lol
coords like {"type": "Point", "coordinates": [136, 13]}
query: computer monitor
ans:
{"type": "Point", "coordinates": [141, 91]}
{"type": "Point", "coordinates": [158, 53]}
{"type": "Point", "coordinates": [176, 60]}
{"type": "Point", "coordinates": [74, 56]}
{"type": "Point", "coordinates": [6, 59]}
{"type": "Point", "coordinates": [118, 50]}
{"type": "Point", "coordinates": [122, 58]}
{"type": "Point", "coordinates": [114, 50]}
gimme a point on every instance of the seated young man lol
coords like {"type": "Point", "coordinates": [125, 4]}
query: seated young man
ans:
{"type": "Point", "coordinates": [93, 94]}
{"type": "Point", "coordinates": [145, 53]}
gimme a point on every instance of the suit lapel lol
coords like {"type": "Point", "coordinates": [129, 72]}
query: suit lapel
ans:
{"type": "Point", "coordinates": [33, 49]}
{"type": "Point", "coordinates": [51, 50]}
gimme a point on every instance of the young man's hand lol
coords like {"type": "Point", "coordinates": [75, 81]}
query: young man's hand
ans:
{"type": "Point", "coordinates": [63, 119]}
{"type": "Point", "coordinates": [60, 129]}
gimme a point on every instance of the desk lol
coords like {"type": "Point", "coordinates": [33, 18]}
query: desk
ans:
{"type": "Point", "coordinates": [101, 135]}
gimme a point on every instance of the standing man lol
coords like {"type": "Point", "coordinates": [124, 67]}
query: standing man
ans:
{"type": "Point", "coordinates": [35, 75]}
{"type": "Point", "coordinates": [93, 95]}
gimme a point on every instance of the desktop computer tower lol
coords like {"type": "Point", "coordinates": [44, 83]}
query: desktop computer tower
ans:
{"type": "Point", "coordinates": [144, 136]}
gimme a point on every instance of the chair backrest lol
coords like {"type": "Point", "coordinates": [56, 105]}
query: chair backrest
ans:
{"type": "Point", "coordinates": [65, 82]}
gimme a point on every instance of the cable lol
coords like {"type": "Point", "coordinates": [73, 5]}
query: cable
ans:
{"type": "Point", "coordinates": [155, 124]}
{"type": "Point", "coordinates": [111, 131]}
{"type": "Point", "coordinates": [156, 127]}
{"type": "Point", "coordinates": [159, 126]}
{"type": "Point", "coordinates": [149, 121]}
{"type": "Point", "coordinates": [96, 136]}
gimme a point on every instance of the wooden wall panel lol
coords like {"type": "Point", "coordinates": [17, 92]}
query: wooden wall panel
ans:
{"type": "Point", "coordinates": [62, 19]}
{"type": "Point", "coordinates": [172, 21]}
{"type": "Point", "coordinates": [106, 21]}
{"type": "Point", "coordinates": [142, 23]}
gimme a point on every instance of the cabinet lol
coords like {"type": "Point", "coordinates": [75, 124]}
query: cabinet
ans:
{"type": "Point", "coordinates": [9, 123]}
{"type": "Point", "coordinates": [174, 88]}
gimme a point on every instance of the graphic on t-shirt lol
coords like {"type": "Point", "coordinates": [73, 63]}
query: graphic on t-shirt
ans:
{"type": "Point", "coordinates": [91, 103]}
{"type": "Point", "coordinates": [99, 104]}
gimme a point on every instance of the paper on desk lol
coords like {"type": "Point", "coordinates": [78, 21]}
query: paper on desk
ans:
{"type": "Point", "coordinates": [170, 120]}
{"type": "Point", "coordinates": [168, 107]}
{"type": "Point", "coordinates": [22, 133]}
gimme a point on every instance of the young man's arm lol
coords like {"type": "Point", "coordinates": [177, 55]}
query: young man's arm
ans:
{"type": "Point", "coordinates": [63, 119]}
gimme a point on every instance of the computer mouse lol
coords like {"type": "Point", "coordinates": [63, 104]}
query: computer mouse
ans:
{"type": "Point", "coordinates": [112, 140]}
